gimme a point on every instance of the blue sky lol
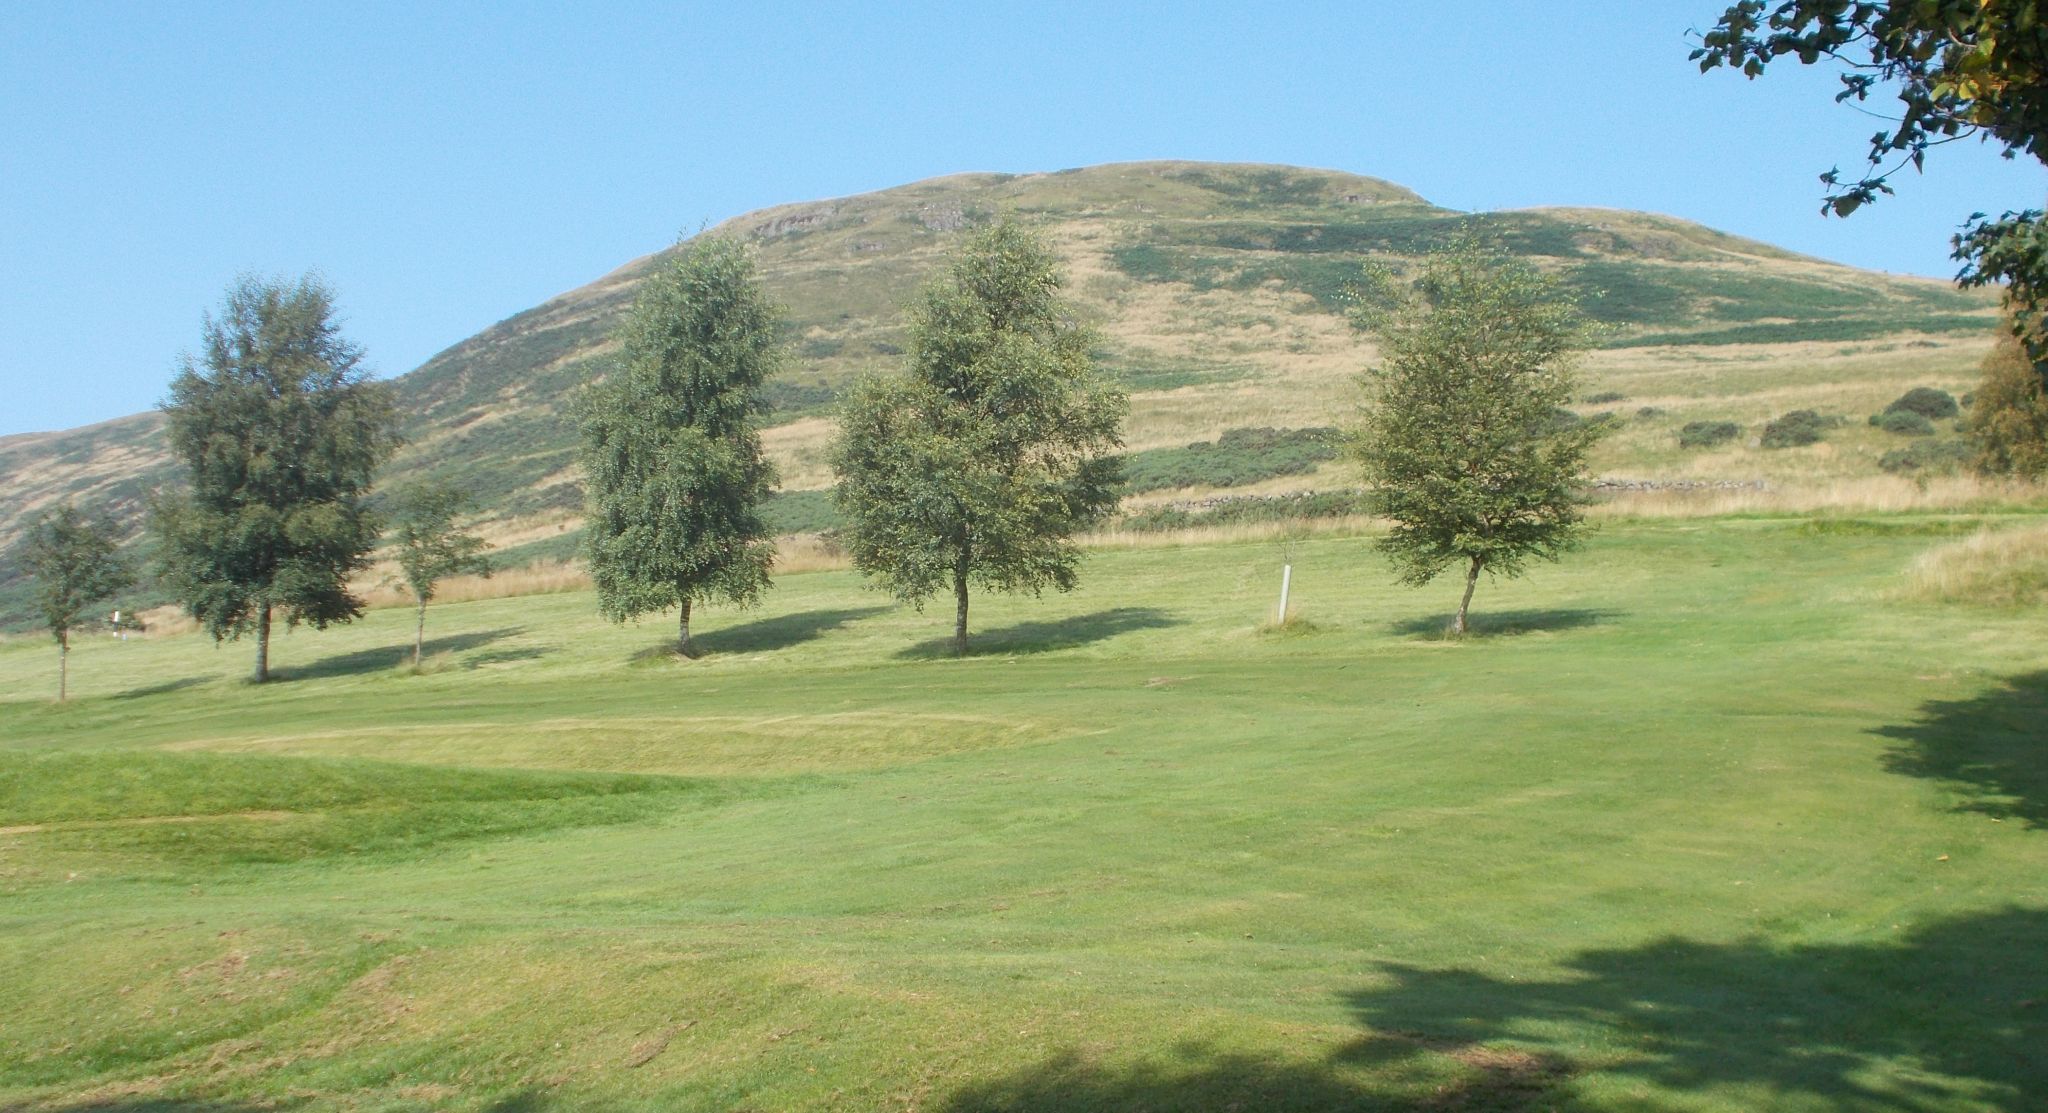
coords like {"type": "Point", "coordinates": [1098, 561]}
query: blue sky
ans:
{"type": "Point", "coordinates": [445, 166]}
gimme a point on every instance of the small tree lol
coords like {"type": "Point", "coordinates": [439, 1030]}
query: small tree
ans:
{"type": "Point", "coordinates": [1462, 442]}
{"type": "Point", "coordinates": [980, 463]}
{"type": "Point", "coordinates": [76, 563]}
{"type": "Point", "coordinates": [673, 469]}
{"type": "Point", "coordinates": [2009, 421]}
{"type": "Point", "coordinates": [431, 548]}
{"type": "Point", "coordinates": [279, 427]}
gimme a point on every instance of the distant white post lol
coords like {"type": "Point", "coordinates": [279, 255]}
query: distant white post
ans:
{"type": "Point", "coordinates": [1286, 575]}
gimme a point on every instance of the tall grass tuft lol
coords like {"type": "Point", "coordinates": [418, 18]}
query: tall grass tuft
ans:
{"type": "Point", "coordinates": [2007, 568]}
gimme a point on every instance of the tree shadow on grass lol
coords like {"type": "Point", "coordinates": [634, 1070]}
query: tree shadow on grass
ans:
{"type": "Point", "coordinates": [1499, 624]}
{"type": "Point", "coordinates": [1202, 1081]}
{"type": "Point", "coordinates": [525, 1101]}
{"type": "Point", "coordinates": [1948, 1015]}
{"type": "Point", "coordinates": [504, 656]}
{"type": "Point", "coordinates": [172, 1105]}
{"type": "Point", "coordinates": [164, 688]}
{"type": "Point", "coordinates": [1044, 637]}
{"type": "Point", "coordinates": [769, 634]}
{"type": "Point", "coordinates": [391, 656]}
{"type": "Point", "coordinates": [1992, 749]}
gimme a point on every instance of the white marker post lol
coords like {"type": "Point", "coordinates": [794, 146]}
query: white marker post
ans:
{"type": "Point", "coordinates": [1286, 575]}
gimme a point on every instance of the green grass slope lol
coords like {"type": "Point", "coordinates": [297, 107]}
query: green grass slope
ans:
{"type": "Point", "coordinates": [1217, 290]}
{"type": "Point", "coordinates": [1709, 817]}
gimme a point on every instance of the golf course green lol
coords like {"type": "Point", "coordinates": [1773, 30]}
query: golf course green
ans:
{"type": "Point", "coordinates": [1717, 814]}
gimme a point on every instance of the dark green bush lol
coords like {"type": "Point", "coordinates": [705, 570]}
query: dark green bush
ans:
{"type": "Point", "coordinates": [787, 398]}
{"type": "Point", "coordinates": [1253, 508]}
{"type": "Point", "coordinates": [1926, 401]}
{"type": "Point", "coordinates": [1707, 434]}
{"type": "Point", "coordinates": [799, 511]}
{"type": "Point", "coordinates": [1562, 419]}
{"type": "Point", "coordinates": [1605, 397]}
{"type": "Point", "coordinates": [1648, 412]}
{"type": "Point", "coordinates": [1906, 423]}
{"type": "Point", "coordinates": [1238, 457]}
{"type": "Point", "coordinates": [1933, 457]}
{"type": "Point", "coordinates": [1796, 428]}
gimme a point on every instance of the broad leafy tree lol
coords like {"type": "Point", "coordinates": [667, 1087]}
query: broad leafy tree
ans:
{"type": "Point", "coordinates": [1954, 70]}
{"type": "Point", "coordinates": [76, 562]}
{"type": "Point", "coordinates": [1466, 442]}
{"type": "Point", "coordinates": [998, 443]}
{"type": "Point", "coordinates": [431, 546]}
{"type": "Point", "coordinates": [673, 469]}
{"type": "Point", "coordinates": [279, 427]}
{"type": "Point", "coordinates": [2009, 421]}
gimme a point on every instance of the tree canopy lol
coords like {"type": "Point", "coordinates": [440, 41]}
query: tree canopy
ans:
{"type": "Point", "coordinates": [1466, 443]}
{"type": "Point", "coordinates": [279, 427]}
{"type": "Point", "coordinates": [673, 469]}
{"type": "Point", "coordinates": [996, 444]}
{"type": "Point", "coordinates": [1956, 70]}
{"type": "Point", "coordinates": [76, 561]}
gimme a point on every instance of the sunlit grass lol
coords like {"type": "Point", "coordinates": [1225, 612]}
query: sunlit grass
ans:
{"type": "Point", "coordinates": [1141, 849]}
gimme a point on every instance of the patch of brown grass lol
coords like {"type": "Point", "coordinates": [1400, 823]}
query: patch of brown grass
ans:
{"type": "Point", "coordinates": [797, 553]}
{"type": "Point", "coordinates": [794, 554]}
{"type": "Point", "coordinates": [1870, 494]}
{"type": "Point", "coordinates": [167, 621]}
{"type": "Point", "coordinates": [1225, 534]}
{"type": "Point", "coordinates": [547, 577]}
{"type": "Point", "coordinates": [1998, 567]}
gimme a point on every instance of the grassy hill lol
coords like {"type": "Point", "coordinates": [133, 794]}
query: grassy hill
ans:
{"type": "Point", "coordinates": [1717, 815]}
{"type": "Point", "coordinates": [1216, 289]}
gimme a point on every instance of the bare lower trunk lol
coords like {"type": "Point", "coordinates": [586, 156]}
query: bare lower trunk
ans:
{"type": "Point", "coordinates": [683, 629]}
{"type": "Point", "coordinates": [1465, 604]}
{"type": "Point", "coordinates": [263, 645]}
{"type": "Point", "coordinates": [63, 663]}
{"type": "Point", "coordinates": [419, 634]}
{"type": "Point", "coordinates": [960, 609]}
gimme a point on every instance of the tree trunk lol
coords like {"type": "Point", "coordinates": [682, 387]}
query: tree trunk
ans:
{"type": "Point", "coordinates": [63, 663]}
{"type": "Point", "coordinates": [1471, 581]}
{"type": "Point", "coordinates": [263, 645]}
{"type": "Point", "coordinates": [683, 629]}
{"type": "Point", "coordinates": [419, 636]}
{"type": "Point", "coordinates": [960, 608]}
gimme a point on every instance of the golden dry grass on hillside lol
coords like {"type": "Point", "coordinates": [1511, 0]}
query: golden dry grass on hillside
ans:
{"type": "Point", "coordinates": [2001, 567]}
{"type": "Point", "coordinates": [1864, 495]}
{"type": "Point", "coordinates": [794, 554]}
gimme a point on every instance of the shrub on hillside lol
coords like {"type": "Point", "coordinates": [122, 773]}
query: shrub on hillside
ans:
{"type": "Point", "coordinates": [1707, 434]}
{"type": "Point", "coordinates": [786, 396]}
{"type": "Point", "coordinates": [1800, 427]}
{"type": "Point", "coordinates": [1648, 412]}
{"type": "Point", "coordinates": [1605, 397]}
{"type": "Point", "coordinates": [1926, 457]}
{"type": "Point", "coordinates": [1905, 423]}
{"type": "Point", "coordinates": [799, 512]}
{"type": "Point", "coordinates": [1237, 458]}
{"type": "Point", "coordinates": [1247, 509]}
{"type": "Point", "coordinates": [1926, 401]}
{"type": "Point", "coordinates": [1562, 419]}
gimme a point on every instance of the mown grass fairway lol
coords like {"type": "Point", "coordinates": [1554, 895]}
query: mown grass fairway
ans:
{"type": "Point", "coordinates": [1704, 818]}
